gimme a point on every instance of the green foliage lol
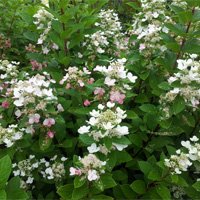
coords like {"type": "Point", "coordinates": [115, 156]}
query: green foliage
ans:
{"type": "Point", "coordinates": [161, 112]}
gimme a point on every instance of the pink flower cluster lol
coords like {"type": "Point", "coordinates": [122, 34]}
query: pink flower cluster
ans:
{"type": "Point", "coordinates": [74, 171]}
{"type": "Point", "coordinates": [37, 66]}
{"type": "Point", "coordinates": [99, 92]}
{"type": "Point", "coordinates": [49, 122]}
{"type": "Point", "coordinates": [31, 48]}
{"type": "Point", "coordinates": [5, 104]}
{"type": "Point", "coordinates": [116, 96]}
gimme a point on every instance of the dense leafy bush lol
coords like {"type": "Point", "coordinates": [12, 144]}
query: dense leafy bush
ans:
{"type": "Point", "coordinates": [99, 99]}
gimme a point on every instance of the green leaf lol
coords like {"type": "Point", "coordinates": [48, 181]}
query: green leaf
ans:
{"type": "Point", "coordinates": [192, 46]}
{"type": "Point", "coordinates": [65, 191]}
{"type": "Point", "coordinates": [178, 105]}
{"type": "Point", "coordinates": [188, 119]}
{"type": "Point", "coordinates": [164, 86]}
{"type": "Point", "coordinates": [197, 186]}
{"type": "Point", "coordinates": [5, 170]}
{"type": "Point", "coordinates": [131, 114]}
{"type": "Point", "coordinates": [176, 28]}
{"type": "Point", "coordinates": [193, 3]}
{"type": "Point", "coordinates": [111, 161]}
{"type": "Point", "coordinates": [108, 181]}
{"type": "Point", "coordinates": [145, 167]}
{"type": "Point", "coordinates": [122, 157]}
{"type": "Point", "coordinates": [44, 142]}
{"type": "Point", "coordinates": [3, 195]}
{"type": "Point", "coordinates": [100, 197]}
{"type": "Point", "coordinates": [139, 186]}
{"type": "Point", "coordinates": [31, 36]}
{"type": "Point", "coordinates": [86, 139]}
{"type": "Point", "coordinates": [178, 180]}
{"type": "Point", "coordinates": [60, 128]}
{"type": "Point", "coordinates": [80, 193]}
{"type": "Point", "coordinates": [154, 174]}
{"type": "Point", "coordinates": [196, 16]}
{"type": "Point", "coordinates": [149, 108]}
{"type": "Point", "coordinates": [163, 192]}
{"type": "Point", "coordinates": [80, 111]}
{"type": "Point", "coordinates": [108, 142]}
{"type": "Point", "coordinates": [14, 191]}
{"type": "Point", "coordinates": [123, 140]}
{"type": "Point", "coordinates": [134, 5]}
{"type": "Point", "coordinates": [128, 192]}
{"type": "Point", "coordinates": [78, 182]}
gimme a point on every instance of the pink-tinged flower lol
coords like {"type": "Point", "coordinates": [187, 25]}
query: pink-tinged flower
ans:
{"type": "Point", "coordinates": [74, 171]}
{"type": "Point", "coordinates": [92, 175]}
{"type": "Point", "coordinates": [81, 83]}
{"type": "Point", "coordinates": [31, 48]}
{"type": "Point", "coordinates": [34, 118]}
{"type": "Point", "coordinates": [48, 122]}
{"type": "Point", "coordinates": [68, 86]}
{"type": "Point", "coordinates": [5, 104]}
{"type": "Point", "coordinates": [50, 134]}
{"type": "Point", "coordinates": [99, 91]}
{"type": "Point", "coordinates": [91, 81]}
{"type": "Point", "coordinates": [116, 96]}
{"type": "Point", "coordinates": [142, 47]}
{"type": "Point", "coordinates": [86, 102]}
{"type": "Point", "coordinates": [9, 92]}
{"type": "Point", "coordinates": [55, 46]}
{"type": "Point", "coordinates": [36, 65]}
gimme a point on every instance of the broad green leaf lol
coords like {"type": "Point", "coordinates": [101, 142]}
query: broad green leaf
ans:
{"type": "Point", "coordinates": [192, 46]}
{"type": "Point", "coordinates": [78, 182]}
{"type": "Point", "coordinates": [5, 170]}
{"type": "Point", "coordinates": [80, 193]}
{"type": "Point", "coordinates": [197, 186]}
{"type": "Point", "coordinates": [178, 105]}
{"type": "Point", "coordinates": [3, 195]}
{"type": "Point", "coordinates": [65, 191]}
{"type": "Point", "coordinates": [108, 181]}
{"type": "Point", "coordinates": [145, 167]}
{"type": "Point", "coordinates": [14, 191]}
{"type": "Point", "coordinates": [149, 108]}
{"type": "Point", "coordinates": [139, 186]}
{"type": "Point", "coordinates": [163, 192]}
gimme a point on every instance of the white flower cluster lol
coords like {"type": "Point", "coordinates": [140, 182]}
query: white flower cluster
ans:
{"type": "Point", "coordinates": [50, 170]}
{"type": "Point", "coordinates": [179, 3]}
{"type": "Point", "coordinates": [10, 135]}
{"type": "Point", "coordinates": [182, 161]}
{"type": "Point", "coordinates": [27, 91]}
{"type": "Point", "coordinates": [53, 169]}
{"type": "Point", "coordinates": [105, 122]}
{"type": "Point", "coordinates": [32, 97]}
{"type": "Point", "coordinates": [25, 169]}
{"type": "Point", "coordinates": [76, 77]}
{"type": "Point", "coordinates": [188, 78]}
{"type": "Point", "coordinates": [90, 167]}
{"type": "Point", "coordinates": [45, 2]}
{"type": "Point", "coordinates": [43, 21]}
{"type": "Point", "coordinates": [117, 81]}
{"type": "Point", "coordinates": [9, 69]}
{"type": "Point", "coordinates": [148, 25]}
{"type": "Point", "coordinates": [110, 33]}
{"type": "Point", "coordinates": [115, 73]}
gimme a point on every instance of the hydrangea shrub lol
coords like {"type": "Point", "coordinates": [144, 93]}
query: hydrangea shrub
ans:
{"type": "Point", "coordinates": [99, 99]}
